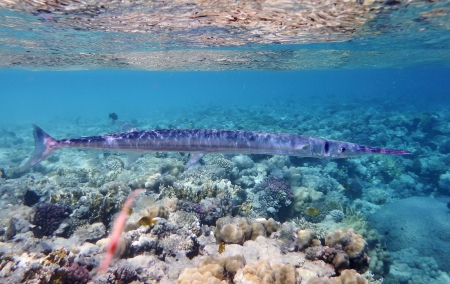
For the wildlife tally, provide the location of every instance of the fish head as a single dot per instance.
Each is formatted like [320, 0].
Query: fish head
[340, 149]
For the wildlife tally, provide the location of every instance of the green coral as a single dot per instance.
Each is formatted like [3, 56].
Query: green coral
[356, 220]
[390, 167]
[68, 196]
[192, 194]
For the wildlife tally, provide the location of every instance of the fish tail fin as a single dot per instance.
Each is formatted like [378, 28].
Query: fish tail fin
[42, 147]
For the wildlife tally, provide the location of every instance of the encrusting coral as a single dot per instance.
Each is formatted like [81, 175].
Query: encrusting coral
[263, 273]
[237, 230]
[213, 271]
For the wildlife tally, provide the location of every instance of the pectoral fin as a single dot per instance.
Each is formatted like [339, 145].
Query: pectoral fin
[195, 157]
[132, 157]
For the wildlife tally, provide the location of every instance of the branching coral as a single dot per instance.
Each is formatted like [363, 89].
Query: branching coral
[355, 219]
[302, 224]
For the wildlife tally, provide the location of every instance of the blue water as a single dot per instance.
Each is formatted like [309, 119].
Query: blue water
[380, 79]
[36, 96]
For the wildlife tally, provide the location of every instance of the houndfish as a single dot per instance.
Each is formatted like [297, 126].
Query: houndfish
[204, 141]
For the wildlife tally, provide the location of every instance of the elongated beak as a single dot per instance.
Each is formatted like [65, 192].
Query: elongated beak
[365, 149]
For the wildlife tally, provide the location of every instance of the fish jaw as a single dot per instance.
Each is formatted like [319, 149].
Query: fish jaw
[339, 149]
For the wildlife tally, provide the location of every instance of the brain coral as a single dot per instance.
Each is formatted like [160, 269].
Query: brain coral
[213, 271]
[233, 230]
[354, 246]
[263, 272]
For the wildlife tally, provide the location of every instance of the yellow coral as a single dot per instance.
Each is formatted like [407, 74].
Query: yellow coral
[246, 208]
[353, 244]
[212, 271]
[263, 273]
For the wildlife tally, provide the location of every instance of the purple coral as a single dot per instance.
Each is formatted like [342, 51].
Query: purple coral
[77, 274]
[48, 217]
[125, 274]
[276, 184]
[188, 206]
[209, 209]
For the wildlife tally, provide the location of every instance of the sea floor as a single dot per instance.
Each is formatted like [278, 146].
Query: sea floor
[229, 217]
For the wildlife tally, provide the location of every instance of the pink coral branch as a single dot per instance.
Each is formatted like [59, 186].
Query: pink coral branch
[117, 230]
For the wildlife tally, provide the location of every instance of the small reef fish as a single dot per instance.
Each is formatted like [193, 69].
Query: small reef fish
[147, 221]
[202, 141]
[119, 225]
[312, 211]
[221, 248]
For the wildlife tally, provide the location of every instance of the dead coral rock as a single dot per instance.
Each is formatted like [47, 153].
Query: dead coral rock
[349, 276]
[312, 270]
[263, 272]
[91, 232]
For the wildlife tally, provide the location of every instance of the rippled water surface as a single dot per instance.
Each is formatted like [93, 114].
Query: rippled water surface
[223, 35]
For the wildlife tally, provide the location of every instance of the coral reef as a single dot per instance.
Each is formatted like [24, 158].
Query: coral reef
[277, 216]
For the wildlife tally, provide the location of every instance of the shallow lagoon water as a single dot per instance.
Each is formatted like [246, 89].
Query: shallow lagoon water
[383, 85]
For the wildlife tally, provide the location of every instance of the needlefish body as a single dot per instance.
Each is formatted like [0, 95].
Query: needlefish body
[203, 141]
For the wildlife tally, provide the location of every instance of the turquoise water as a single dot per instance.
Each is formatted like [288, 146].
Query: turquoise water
[36, 96]
[380, 79]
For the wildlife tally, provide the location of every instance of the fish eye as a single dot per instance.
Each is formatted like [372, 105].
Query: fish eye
[343, 149]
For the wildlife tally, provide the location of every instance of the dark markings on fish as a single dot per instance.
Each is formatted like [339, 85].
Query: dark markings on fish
[326, 147]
